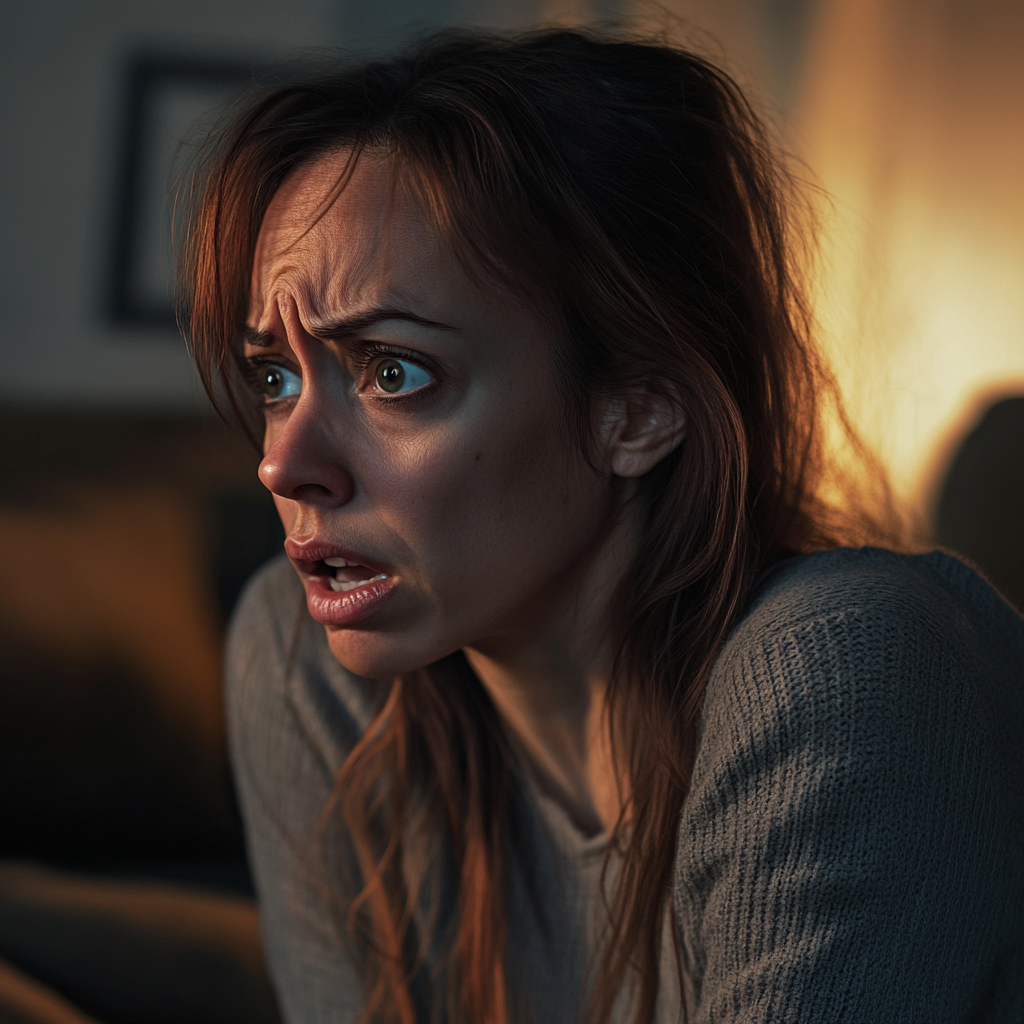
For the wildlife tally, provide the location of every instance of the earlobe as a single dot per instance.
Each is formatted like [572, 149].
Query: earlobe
[646, 428]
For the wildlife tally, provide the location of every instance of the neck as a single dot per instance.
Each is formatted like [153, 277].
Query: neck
[548, 682]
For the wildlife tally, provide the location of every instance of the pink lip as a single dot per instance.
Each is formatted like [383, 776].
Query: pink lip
[346, 608]
[306, 553]
[338, 608]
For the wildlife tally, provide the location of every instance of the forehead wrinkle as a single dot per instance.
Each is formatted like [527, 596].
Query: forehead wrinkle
[355, 271]
[331, 248]
[295, 294]
[294, 214]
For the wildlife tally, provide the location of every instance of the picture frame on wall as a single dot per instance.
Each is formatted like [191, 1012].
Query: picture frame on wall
[170, 105]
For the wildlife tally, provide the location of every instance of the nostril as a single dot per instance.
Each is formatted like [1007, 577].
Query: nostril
[312, 493]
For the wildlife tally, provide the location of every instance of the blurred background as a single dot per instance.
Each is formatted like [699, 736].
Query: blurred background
[130, 517]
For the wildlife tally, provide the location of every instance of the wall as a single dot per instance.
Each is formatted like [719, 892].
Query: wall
[62, 78]
[912, 119]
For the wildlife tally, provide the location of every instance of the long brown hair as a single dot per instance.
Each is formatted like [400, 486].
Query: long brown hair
[630, 187]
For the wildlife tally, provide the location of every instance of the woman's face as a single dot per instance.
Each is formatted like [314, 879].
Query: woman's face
[416, 443]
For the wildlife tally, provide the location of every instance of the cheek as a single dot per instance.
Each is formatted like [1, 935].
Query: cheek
[467, 499]
[421, 484]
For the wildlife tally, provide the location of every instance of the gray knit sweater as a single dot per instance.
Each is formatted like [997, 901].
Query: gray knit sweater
[851, 849]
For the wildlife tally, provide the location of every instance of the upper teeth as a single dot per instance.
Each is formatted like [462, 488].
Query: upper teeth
[338, 563]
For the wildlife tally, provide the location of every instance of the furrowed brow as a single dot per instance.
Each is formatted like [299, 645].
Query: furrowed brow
[258, 339]
[344, 327]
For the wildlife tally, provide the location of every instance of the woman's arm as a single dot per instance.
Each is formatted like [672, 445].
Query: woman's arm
[851, 847]
[294, 713]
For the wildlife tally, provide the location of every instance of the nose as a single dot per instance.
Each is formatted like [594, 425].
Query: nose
[304, 463]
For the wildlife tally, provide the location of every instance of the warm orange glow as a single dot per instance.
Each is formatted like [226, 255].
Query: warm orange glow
[913, 121]
[115, 575]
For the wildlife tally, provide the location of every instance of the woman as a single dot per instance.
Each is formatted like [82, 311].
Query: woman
[586, 713]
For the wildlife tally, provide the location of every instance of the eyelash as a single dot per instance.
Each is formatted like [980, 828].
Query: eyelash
[252, 365]
[250, 369]
[375, 350]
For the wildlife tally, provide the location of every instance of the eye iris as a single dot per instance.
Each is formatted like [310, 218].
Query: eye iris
[390, 375]
[273, 382]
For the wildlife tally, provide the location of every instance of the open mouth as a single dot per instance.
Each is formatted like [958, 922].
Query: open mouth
[340, 591]
[342, 575]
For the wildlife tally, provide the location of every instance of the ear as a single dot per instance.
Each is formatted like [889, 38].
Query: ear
[639, 431]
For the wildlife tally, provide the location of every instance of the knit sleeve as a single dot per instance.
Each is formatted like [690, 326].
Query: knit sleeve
[293, 715]
[849, 850]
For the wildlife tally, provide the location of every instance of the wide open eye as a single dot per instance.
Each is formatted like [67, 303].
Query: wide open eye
[276, 382]
[397, 375]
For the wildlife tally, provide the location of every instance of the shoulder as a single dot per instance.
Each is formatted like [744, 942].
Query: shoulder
[876, 618]
[864, 684]
[874, 684]
[934, 590]
[857, 800]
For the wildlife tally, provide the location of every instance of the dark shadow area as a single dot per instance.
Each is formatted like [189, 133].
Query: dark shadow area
[91, 774]
[124, 888]
[980, 511]
[126, 952]
[245, 532]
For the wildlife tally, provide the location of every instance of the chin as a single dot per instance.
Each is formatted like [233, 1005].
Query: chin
[377, 656]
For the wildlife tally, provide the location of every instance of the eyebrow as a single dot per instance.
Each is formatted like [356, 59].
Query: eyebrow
[344, 327]
[258, 339]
